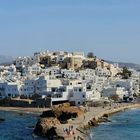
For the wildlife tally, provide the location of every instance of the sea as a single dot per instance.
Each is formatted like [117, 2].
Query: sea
[123, 126]
[18, 126]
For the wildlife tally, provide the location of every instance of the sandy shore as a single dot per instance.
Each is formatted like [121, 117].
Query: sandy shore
[79, 124]
[24, 110]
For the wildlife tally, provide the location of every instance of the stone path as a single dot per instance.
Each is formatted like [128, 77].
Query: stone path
[83, 120]
[79, 122]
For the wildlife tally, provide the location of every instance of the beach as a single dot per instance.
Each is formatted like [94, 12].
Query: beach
[24, 109]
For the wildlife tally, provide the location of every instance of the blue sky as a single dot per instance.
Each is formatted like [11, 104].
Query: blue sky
[109, 28]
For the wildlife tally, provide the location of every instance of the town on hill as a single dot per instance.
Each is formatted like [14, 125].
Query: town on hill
[73, 90]
[50, 78]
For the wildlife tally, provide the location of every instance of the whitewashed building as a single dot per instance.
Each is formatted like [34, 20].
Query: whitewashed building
[9, 89]
[102, 72]
[111, 91]
[32, 70]
[70, 74]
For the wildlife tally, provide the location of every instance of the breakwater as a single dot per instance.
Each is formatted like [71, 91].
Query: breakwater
[95, 119]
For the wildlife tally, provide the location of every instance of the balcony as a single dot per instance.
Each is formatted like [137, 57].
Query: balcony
[57, 95]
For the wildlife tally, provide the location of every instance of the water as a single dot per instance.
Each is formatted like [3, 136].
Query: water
[124, 126]
[16, 127]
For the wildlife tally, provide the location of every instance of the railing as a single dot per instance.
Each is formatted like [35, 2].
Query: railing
[57, 95]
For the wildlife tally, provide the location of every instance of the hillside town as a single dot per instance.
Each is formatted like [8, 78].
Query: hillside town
[50, 78]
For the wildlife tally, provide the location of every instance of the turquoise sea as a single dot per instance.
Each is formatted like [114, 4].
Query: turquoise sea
[124, 126]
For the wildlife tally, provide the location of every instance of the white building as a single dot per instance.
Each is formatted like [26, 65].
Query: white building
[80, 94]
[111, 91]
[9, 89]
[59, 94]
[45, 84]
[88, 74]
[28, 88]
[53, 71]
[70, 74]
[26, 61]
[102, 72]
[32, 70]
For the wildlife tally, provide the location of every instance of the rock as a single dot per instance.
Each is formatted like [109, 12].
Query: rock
[45, 127]
[109, 120]
[63, 113]
[92, 123]
[103, 119]
[75, 111]
[106, 115]
[48, 114]
[31, 127]
[20, 114]
[2, 119]
[65, 116]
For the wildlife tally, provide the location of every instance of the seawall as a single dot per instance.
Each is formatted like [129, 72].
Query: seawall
[96, 118]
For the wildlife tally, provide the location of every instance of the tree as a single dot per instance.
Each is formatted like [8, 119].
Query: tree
[90, 55]
[126, 73]
[89, 64]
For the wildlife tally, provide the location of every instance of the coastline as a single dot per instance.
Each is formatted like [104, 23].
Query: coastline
[81, 124]
[107, 112]
[24, 109]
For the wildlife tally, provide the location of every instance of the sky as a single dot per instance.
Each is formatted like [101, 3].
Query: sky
[109, 28]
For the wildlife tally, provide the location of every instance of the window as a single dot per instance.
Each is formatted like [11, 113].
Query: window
[80, 89]
[9, 95]
[83, 96]
[75, 90]
[78, 103]
[53, 89]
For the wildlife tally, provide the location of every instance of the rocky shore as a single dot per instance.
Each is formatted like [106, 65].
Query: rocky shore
[52, 124]
[103, 115]
[50, 121]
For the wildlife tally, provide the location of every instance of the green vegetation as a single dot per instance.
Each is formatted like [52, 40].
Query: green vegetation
[126, 74]
[91, 55]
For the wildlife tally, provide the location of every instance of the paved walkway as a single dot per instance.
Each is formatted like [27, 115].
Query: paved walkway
[83, 120]
[79, 122]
